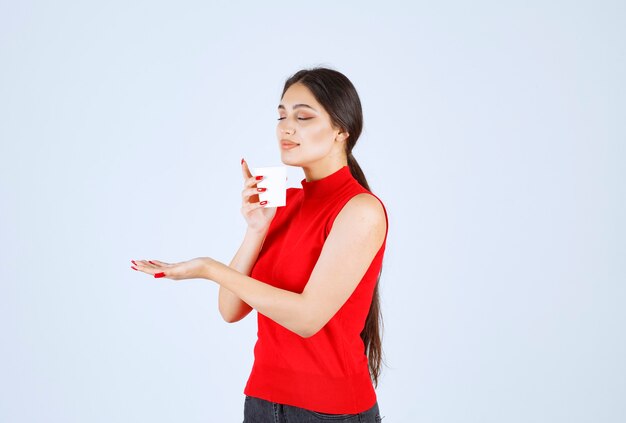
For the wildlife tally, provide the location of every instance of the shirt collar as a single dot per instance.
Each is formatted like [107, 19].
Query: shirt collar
[326, 185]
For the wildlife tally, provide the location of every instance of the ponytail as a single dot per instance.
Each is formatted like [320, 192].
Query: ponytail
[372, 332]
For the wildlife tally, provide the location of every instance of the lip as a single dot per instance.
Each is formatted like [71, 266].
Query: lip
[287, 145]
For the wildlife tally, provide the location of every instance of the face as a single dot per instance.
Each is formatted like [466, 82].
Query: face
[305, 123]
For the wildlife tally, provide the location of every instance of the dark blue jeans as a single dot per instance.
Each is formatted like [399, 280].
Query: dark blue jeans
[258, 410]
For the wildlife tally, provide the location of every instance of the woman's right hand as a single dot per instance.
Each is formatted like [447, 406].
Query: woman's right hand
[257, 216]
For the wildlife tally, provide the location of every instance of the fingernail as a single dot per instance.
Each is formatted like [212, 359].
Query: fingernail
[258, 178]
[159, 275]
[263, 203]
[134, 262]
[242, 160]
[151, 262]
[261, 189]
[132, 267]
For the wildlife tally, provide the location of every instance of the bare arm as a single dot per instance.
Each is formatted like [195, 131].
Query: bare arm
[231, 307]
[258, 218]
[356, 236]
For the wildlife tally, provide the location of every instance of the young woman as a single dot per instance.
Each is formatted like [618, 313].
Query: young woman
[310, 269]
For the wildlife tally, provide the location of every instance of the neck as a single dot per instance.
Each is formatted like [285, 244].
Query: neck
[319, 171]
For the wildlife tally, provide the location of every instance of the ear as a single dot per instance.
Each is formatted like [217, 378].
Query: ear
[342, 136]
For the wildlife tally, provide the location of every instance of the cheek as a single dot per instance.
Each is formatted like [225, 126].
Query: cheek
[318, 135]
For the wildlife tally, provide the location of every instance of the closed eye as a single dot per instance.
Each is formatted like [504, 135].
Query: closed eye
[298, 118]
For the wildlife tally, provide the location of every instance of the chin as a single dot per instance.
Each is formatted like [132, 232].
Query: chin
[288, 162]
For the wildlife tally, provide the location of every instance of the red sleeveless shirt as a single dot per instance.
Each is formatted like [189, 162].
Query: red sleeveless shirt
[327, 372]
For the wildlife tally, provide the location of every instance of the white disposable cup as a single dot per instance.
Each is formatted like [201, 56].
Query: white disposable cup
[275, 182]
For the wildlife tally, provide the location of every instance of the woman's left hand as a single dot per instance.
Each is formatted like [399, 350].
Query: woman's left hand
[191, 269]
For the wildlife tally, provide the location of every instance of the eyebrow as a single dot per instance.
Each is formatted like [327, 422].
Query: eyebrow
[295, 106]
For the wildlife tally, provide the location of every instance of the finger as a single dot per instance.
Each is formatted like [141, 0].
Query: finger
[253, 206]
[159, 263]
[253, 180]
[248, 193]
[143, 266]
[147, 266]
[245, 170]
[151, 269]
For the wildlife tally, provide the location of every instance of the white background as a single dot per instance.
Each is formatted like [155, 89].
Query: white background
[494, 134]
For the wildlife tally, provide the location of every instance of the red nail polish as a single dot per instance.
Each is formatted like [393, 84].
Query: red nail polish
[263, 203]
[151, 262]
[258, 178]
[159, 275]
[134, 262]
[261, 189]
[242, 160]
[132, 267]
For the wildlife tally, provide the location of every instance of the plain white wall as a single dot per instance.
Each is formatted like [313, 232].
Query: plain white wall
[494, 133]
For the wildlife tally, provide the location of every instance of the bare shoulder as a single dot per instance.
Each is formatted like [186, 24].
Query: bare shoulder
[364, 211]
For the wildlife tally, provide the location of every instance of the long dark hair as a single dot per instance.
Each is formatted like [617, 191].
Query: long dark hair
[334, 91]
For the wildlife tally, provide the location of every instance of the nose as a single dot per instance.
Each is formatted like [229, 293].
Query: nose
[285, 129]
